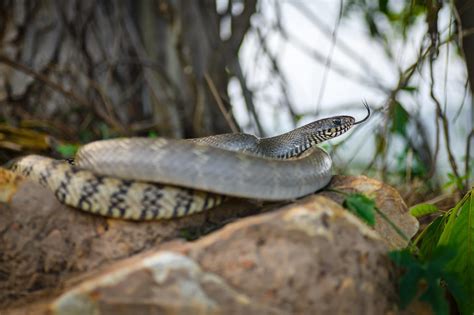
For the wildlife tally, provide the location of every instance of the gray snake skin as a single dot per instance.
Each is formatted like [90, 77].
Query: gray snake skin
[148, 179]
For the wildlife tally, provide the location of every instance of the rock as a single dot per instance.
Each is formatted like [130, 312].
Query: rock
[161, 283]
[311, 256]
[44, 243]
[387, 199]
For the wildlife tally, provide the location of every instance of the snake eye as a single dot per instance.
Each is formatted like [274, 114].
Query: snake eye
[337, 122]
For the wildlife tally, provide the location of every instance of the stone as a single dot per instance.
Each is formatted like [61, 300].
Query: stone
[310, 256]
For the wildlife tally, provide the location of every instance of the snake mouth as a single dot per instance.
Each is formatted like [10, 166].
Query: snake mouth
[336, 131]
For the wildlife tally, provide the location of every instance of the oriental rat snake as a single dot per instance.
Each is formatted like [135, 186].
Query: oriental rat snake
[147, 179]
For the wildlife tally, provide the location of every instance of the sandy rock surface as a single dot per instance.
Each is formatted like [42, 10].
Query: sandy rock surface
[308, 256]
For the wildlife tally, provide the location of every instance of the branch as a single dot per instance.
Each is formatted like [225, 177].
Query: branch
[58, 88]
[276, 70]
[218, 100]
[240, 25]
[444, 120]
[247, 95]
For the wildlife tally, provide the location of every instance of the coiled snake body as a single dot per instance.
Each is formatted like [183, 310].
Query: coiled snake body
[146, 179]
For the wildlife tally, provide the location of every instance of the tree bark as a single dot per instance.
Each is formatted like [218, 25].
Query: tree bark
[465, 10]
[134, 65]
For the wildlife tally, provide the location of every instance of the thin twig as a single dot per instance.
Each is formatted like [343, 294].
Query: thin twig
[341, 44]
[327, 64]
[276, 70]
[444, 122]
[218, 100]
[464, 96]
[339, 69]
[44, 79]
[248, 97]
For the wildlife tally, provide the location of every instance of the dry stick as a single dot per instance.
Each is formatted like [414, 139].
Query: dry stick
[342, 71]
[341, 44]
[218, 100]
[174, 123]
[57, 87]
[279, 73]
[445, 79]
[402, 82]
[444, 121]
[464, 96]
[106, 101]
[436, 150]
[424, 145]
[327, 64]
[461, 33]
[247, 96]
[404, 79]
[318, 57]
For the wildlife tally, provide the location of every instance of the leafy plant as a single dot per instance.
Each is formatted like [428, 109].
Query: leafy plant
[444, 259]
[427, 277]
[400, 15]
[456, 181]
[417, 168]
[423, 209]
[459, 234]
[400, 118]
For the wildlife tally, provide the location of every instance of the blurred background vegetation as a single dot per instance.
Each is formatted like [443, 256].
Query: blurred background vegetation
[75, 71]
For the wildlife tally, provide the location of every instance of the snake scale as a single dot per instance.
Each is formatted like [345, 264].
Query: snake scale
[147, 179]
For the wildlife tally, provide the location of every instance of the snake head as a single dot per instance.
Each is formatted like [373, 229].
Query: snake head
[334, 126]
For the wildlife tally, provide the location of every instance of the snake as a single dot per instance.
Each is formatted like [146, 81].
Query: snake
[158, 178]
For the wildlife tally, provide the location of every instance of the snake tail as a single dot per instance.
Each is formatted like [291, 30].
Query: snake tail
[114, 197]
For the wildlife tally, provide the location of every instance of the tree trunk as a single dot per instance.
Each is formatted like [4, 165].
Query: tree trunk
[134, 65]
[465, 10]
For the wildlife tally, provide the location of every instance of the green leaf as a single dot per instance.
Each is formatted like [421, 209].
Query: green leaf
[459, 234]
[428, 239]
[430, 273]
[423, 209]
[400, 119]
[455, 181]
[409, 285]
[67, 150]
[152, 134]
[403, 258]
[362, 206]
[410, 89]
[298, 117]
[434, 295]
